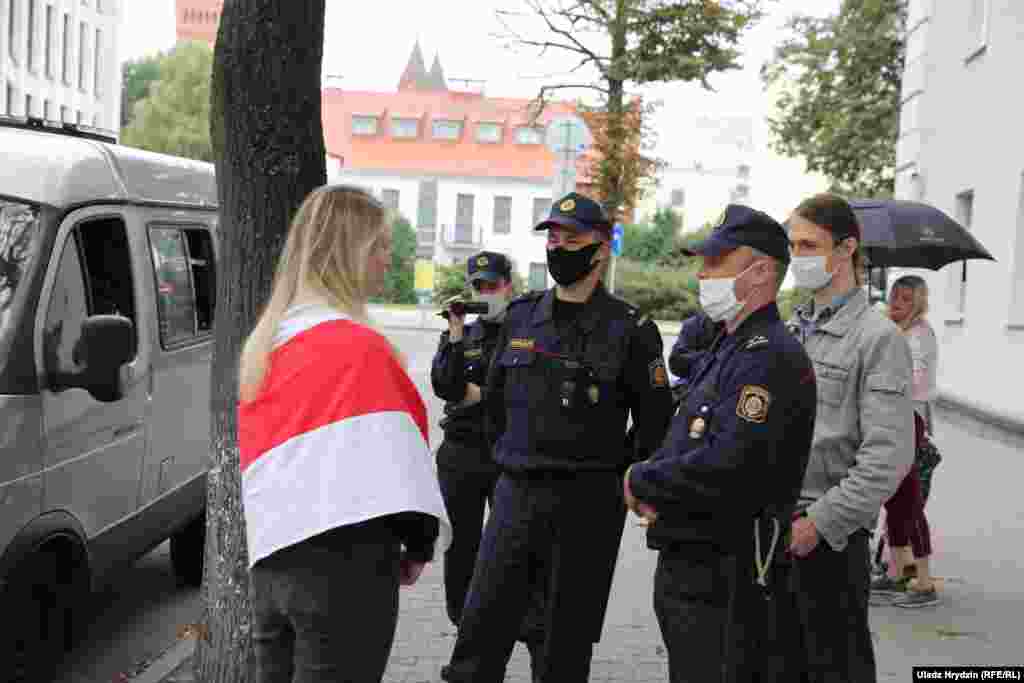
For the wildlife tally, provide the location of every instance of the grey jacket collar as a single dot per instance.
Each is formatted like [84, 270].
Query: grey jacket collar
[840, 322]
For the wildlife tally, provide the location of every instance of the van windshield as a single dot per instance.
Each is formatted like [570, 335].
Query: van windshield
[19, 231]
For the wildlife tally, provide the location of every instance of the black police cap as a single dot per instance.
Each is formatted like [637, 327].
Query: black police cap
[490, 266]
[578, 212]
[742, 226]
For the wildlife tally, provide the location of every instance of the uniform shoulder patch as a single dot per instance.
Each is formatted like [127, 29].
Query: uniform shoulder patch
[658, 373]
[753, 403]
[755, 342]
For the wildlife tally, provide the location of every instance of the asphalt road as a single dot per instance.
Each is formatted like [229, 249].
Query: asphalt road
[975, 513]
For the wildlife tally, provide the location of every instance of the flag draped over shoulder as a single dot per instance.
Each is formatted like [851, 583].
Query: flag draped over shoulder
[337, 435]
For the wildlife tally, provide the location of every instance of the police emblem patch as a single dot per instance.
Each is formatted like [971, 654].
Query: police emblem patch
[482, 261]
[567, 206]
[522, 344]
[753, 404]
[473, 353]
[659, 376]
[594, 394]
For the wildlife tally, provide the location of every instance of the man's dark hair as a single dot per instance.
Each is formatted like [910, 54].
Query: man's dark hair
[833, 213]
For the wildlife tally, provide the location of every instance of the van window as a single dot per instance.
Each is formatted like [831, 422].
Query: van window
[19, 227]
[186, 286]
[93, 278]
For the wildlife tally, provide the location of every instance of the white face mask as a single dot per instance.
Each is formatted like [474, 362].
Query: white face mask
[718, 297]
[496, 305]
[809, 272]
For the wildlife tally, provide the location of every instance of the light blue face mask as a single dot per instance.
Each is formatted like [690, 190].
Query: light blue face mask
[718, 296]
[809, 272]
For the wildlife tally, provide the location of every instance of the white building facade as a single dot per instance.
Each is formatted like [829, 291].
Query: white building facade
[472, 214]
[699, 193]
[961, 150]
[59, 61]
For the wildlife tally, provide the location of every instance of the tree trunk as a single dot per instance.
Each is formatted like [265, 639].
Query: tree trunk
[268, 142]
[615, 125]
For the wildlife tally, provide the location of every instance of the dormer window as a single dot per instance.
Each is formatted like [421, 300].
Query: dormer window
[447, 129]
[528, 135]
[488, 132]
[404, 128]
[364, 125]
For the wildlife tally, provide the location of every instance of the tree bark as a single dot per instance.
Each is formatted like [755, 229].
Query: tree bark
[616, 93]
[267, 135]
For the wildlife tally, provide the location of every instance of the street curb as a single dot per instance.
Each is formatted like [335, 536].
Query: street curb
[165, 664]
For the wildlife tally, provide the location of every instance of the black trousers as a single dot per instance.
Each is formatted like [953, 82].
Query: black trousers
[465, 492]
[829, 593]
[563, 532]
[326, 609]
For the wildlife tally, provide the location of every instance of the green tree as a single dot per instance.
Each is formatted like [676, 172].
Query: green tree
[266, 126]
[650, 243]
[628, 43]
[839, 79]
[399, 285]
[137, 78]
[175, 117]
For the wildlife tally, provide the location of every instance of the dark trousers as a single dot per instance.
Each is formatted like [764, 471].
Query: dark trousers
[465, 492]
[564, 530]
[905, 521]
[829, 590]
[325, 610]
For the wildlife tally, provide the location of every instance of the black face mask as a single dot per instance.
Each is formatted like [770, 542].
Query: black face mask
[569, 267]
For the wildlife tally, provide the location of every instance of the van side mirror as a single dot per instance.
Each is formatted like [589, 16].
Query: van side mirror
[107, 343]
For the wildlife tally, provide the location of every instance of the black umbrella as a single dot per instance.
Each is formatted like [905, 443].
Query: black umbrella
[897, 233]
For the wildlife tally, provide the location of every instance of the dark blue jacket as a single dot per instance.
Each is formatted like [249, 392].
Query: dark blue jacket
[696, 336]
[739, 446]
[559, 399]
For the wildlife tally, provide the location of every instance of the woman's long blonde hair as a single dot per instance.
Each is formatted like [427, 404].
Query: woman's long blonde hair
[919, 290]
[325, 256]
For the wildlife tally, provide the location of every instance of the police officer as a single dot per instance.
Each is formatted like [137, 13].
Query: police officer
[572, 364]
[719, 494]
[465, 469]
[696, 335]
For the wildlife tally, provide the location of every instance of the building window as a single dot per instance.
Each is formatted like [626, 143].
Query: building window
[502, 215]
[1017, 293]
[464, 219]
[528, 135]
[63, 114]
[51, 19]
[364, 125]
[740, 193]
[28, 105]
[78, 117]
[30, 56]
[447, 130]
[95, 120]
[978, 15]
[541, 208]
[46, 109]
[743, 171]
[66, 47]
[426, 210]
[538, 277]
[678, 198]
[97, 64]
[488, 132]
[186, 284]
[10, 99]
[389, 198]
[12, 31]
[404, 128]
[83, 31]
[958, 271]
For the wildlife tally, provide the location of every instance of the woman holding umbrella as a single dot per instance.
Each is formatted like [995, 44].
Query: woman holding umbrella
[906, 525]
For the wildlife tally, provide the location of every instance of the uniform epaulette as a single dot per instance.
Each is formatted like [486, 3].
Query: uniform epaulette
[529, 297]
[756, 342]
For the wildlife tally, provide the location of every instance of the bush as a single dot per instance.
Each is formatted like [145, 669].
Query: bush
[400, 281]
[660, 293]
[450, 281]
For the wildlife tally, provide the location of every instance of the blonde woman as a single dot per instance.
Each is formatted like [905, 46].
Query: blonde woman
[340, 498]
[907, 529]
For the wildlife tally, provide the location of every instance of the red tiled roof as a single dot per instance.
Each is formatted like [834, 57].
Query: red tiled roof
[425, 155]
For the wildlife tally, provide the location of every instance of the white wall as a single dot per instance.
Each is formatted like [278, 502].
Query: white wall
[521, 244]
[101, 105]
[963, 134]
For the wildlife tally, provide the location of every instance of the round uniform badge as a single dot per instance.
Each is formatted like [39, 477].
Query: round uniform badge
[567, 206]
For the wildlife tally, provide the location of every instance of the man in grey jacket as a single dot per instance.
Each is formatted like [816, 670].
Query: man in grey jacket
[863, 442]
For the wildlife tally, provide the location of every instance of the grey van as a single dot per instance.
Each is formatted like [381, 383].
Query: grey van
[107, 297]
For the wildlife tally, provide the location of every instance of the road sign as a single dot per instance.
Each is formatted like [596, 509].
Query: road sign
[617, 238]
[567, 137]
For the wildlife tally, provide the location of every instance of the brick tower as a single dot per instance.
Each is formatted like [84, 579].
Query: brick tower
[197, 19]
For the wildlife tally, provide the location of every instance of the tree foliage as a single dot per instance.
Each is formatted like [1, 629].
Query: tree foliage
[450, 281]
[652, 242]
[840, 79]
[621, 44]
[174, 118]
[399, 284]
[137, 78]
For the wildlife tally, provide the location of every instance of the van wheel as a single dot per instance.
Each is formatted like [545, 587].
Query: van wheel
[48, 599]
[188, 547]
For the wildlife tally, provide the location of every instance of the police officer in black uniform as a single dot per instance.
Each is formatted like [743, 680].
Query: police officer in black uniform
[572, 364]
[465, 469]
[718, 495]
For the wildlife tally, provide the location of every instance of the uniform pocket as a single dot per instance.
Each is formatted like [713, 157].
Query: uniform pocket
[832, 383]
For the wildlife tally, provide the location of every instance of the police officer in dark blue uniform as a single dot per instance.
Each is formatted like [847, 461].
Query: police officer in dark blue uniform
[718, 495]
[696, 335]
[465, 469]
[572, 364]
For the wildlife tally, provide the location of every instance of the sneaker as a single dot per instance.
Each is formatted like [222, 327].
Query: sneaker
[886, 585]
[914, 598]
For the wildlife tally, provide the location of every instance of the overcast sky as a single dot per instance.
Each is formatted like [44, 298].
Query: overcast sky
[368, 44]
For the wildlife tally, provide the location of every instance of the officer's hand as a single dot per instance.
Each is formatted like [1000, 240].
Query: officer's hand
[409, 571]
[456, 323]
[805, 537]
[648, 513]
[473, 394]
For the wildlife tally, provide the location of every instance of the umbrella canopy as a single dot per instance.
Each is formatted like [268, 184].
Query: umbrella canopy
[903, 234]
